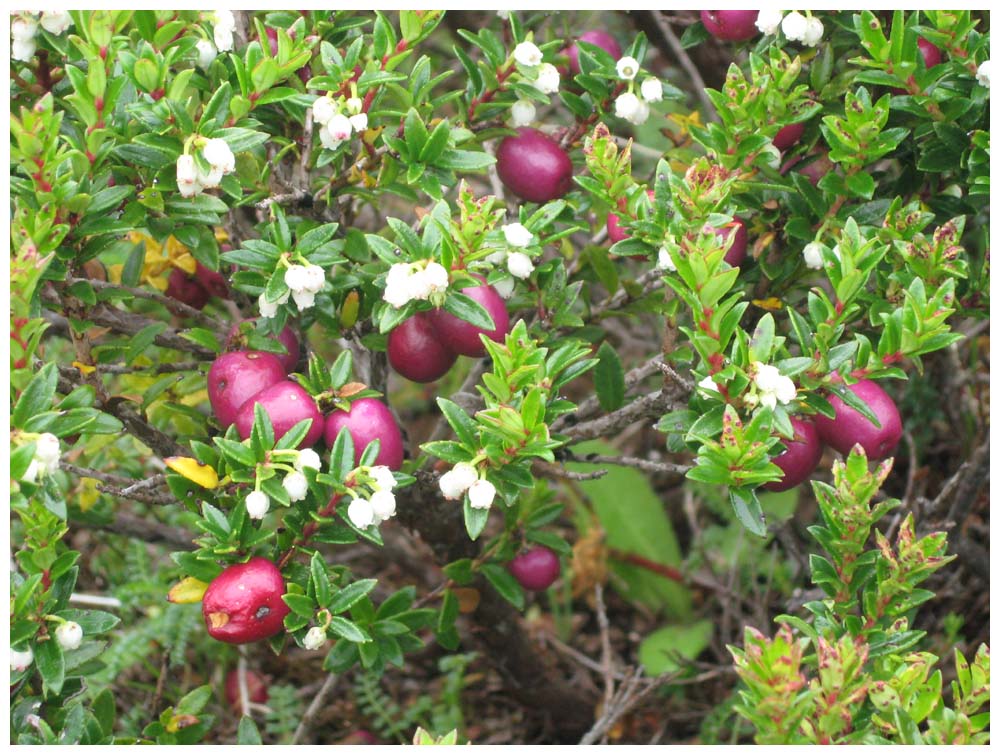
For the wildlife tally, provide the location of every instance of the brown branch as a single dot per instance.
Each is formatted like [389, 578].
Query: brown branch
[678, 51]
[142, 528]
[173, 305]
[645, 407]
[647, 465]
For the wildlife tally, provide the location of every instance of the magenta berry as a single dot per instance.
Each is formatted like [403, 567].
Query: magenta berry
[534, 167]
[615, 232]
[463, 337]
[738, 251]
[800, 458]
[417, 351]
[244, 603]
[212, 281]
[256, 688]
[849, 427]
[730, 25]
[369, 419]
[536, 568]
[287, 403]
[597, 38]
[789, 135]
[286, 338]
[237, 376]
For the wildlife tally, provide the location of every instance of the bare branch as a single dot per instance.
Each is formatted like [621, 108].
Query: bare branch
[175, 306]
[698, 83]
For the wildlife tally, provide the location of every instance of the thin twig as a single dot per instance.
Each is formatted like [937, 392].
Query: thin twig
[314, 708]
[173, 305]
[602, 624]
[647, 465]
[697, 82]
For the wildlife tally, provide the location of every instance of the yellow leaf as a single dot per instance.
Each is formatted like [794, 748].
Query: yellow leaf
[771, 304]
[87, 494]
[188, 590]
[86, 369]
[193, 470]
[221, 235]
[180, 256]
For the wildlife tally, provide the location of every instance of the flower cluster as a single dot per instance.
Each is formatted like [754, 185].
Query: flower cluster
[46, 458]
[772, 386]
[380, 505]
[223, 26]
[407, 281]
[464, 478]
[295, 484]
[519, 264]
[304, 281]
[631, 106]
[338, 120]
[192, 180]
[24, 28]
[542, 76]
[797, 28]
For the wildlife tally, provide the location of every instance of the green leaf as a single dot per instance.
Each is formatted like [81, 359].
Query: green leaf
[351, 594]
[475, 519]
[469, 310]
[505, 583]
[342, 455]
[91, 621]
[348, 630]
[633, 517]
[36, 397]
[247, 733]
[658, 653]
[463, 425]
[51, 665]
[748, 510]
[609, 378]
[460, 159]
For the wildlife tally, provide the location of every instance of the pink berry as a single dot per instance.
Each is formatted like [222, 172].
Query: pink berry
[237, 376]
[534, 167]
[789, 135]
[185, 288]
[417, 351]
[931, 53]
[256, 688]
[615, 232]
[597, 38]
[287, 403]
[286, 338]
[738, 251]
[849, 426]
[244, 603]
[536, 568]
[800, 457]
[369, 419]
[463, 337]
[730, 25]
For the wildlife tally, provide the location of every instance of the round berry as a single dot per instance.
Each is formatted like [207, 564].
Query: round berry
[597, 38]
[930, 52]
[789, 135]
[212, 281]
[800, 457]
[286, 338]
[186, 288]
[536, 568]
[534, 167]
[369, 419]
[256, 688]
[738, 251]
[615, 232]
[286, 403]
[730, 25]
[237, 376]
[244, 603]
[849, 426]
[463, 337]
[417, 351]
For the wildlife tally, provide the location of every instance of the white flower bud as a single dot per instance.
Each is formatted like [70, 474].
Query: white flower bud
[211, 179]
[296, 485]
[383, 503]
[481, 494]
[354, 105]
[664, 260]
[398, 291]
[631, 108]
[55, 21]
[628, 68]
[457, 480]
[269, 309]
[257, 504]
[432, 279]
[359, 122]
[528, 54]
[813, 33]
[794, 26]
[206, 53]
[308, 458]
[519, 265]
[339, 127]
[517, 235]
[296, 278]
[547, 80]
[651, 90]
[22, 49]
[304, 299]
[47, 451]
[23, 29]
[224, 23]
[707, 385]
[504, 287]
[323, 110]
[504, 14]
[522, 113]
[382, 477]
[20, 659]
[983, 73]
[315, 638]
[813, 255]
[218, 154]
[772, 385]
[187, 176]
[69, 635]
[361, 513]
[769, 21]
